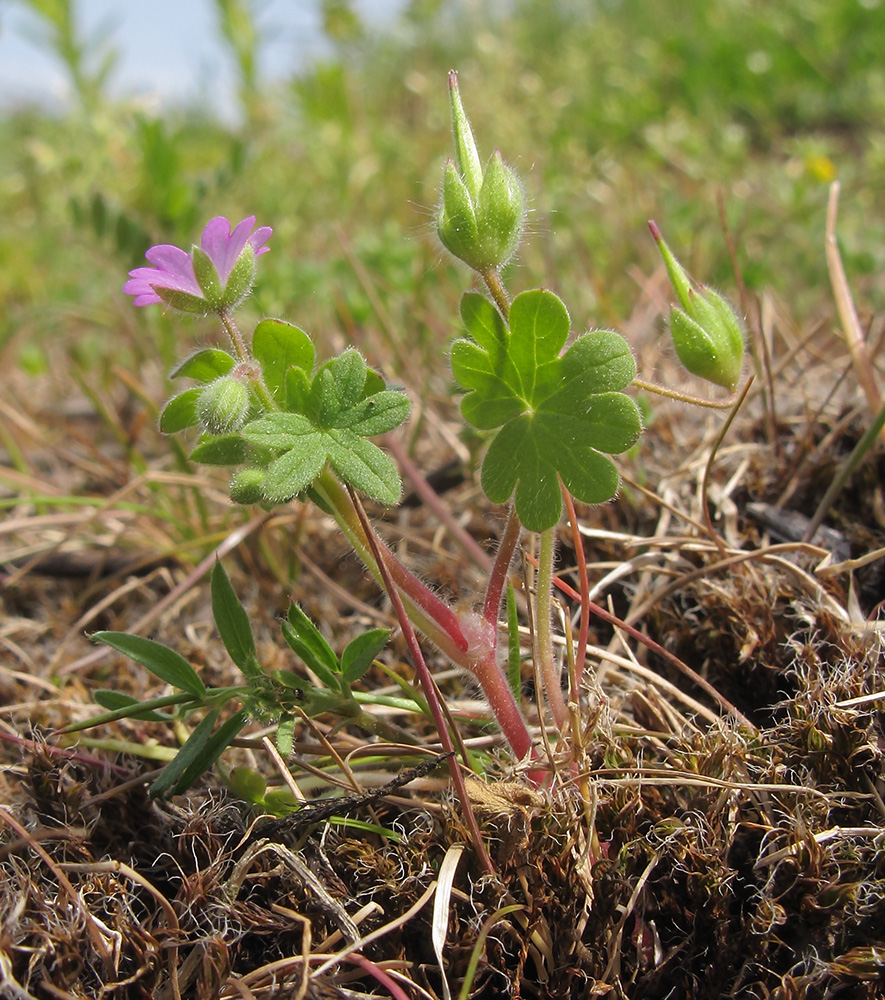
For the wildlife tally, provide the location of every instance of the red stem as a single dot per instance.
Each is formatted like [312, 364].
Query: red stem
[500, 569]
[429, 688]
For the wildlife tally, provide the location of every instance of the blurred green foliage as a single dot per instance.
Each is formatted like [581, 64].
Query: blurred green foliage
[613, 112]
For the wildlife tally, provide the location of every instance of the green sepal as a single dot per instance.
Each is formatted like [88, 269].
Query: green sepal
[456, 219]
[706, 331]
[240, 279]
[223, 405]
[225, 449]
[205, 365]
[500, 213]
[180, 412]
[183, 301]
[207, 278]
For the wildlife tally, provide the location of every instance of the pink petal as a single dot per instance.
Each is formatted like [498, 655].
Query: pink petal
[143, 292]
[259, 238]
[173, 268]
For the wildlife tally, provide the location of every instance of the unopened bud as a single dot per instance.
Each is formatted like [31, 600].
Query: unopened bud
[222, 407]
[247, 486]
[481, 215]
[706, 331]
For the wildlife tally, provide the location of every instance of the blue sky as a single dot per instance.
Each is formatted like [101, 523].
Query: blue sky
[168, 49]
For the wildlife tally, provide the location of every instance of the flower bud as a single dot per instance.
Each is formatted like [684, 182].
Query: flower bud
[481, 215]
[706, 331]
[222, 407]
[247, 486]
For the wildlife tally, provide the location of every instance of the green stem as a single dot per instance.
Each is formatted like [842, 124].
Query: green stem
[581, 561]
[683, 397]
[497, 290]
[468, 640]
[233, 331]
[544, 628]
[264, 394]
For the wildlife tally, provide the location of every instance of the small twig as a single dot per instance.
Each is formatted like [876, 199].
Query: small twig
[720, 437]
[854, 335]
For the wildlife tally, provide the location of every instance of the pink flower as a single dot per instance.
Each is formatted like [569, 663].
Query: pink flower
[174, 280]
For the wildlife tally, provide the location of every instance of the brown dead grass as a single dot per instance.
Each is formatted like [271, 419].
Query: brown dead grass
[687, 856]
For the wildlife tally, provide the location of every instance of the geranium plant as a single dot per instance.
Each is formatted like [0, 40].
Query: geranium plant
[294, 428]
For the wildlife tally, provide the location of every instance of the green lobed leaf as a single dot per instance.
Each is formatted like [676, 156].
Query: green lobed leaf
[162, 661]
[295, 470]
[365, 466]
[278, 430]
[279, 347]
[361, 651]
[559, 414]
[232, 623]
[377, 414]
[338, 386]
[336, 436]
[205, 365]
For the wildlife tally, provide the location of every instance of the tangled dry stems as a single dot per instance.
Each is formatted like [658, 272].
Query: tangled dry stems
[681, 853]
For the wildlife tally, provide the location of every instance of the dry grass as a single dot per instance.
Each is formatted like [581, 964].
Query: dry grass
[680, 853]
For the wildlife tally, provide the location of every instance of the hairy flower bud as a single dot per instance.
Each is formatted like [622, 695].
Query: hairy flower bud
[481, 215]
[706, 331]
[222, 407]
[247, 486]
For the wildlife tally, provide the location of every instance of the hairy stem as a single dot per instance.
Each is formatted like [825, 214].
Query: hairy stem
[497, 290]
[544, 628]
[430, 690]
[581, 560]
[683, 397]
[498, 575]
[431, 614]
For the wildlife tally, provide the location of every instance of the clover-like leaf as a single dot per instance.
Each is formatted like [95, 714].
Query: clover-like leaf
[560, 414]
[338, 411]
